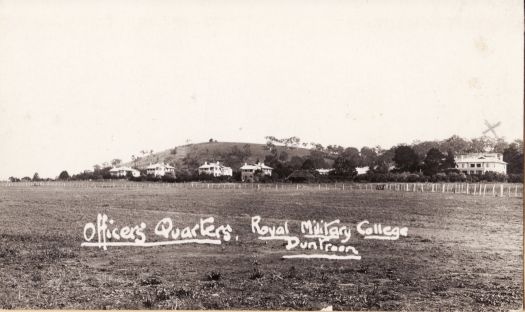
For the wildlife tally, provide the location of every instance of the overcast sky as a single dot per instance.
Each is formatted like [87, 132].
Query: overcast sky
[83, 82]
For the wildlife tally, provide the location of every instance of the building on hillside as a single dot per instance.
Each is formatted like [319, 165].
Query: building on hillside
[160, 170]
[119, 172]
[248, 172]
[324, 171]
[362, 170]
[479, 163]
[215, 169]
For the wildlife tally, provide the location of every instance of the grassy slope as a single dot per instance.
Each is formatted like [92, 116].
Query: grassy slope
[212, 151]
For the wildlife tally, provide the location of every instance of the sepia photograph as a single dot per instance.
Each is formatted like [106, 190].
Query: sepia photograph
[305, 155]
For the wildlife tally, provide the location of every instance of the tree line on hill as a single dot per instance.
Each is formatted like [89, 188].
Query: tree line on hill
[420, 161]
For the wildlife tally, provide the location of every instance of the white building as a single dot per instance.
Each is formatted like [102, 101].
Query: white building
[362, 170]
[215, 169]
[479, 163]
[324, 171]
[123, 172]
[248, 171]
[160, 170]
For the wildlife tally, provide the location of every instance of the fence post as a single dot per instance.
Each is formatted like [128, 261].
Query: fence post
[501, 190]
[516, 189]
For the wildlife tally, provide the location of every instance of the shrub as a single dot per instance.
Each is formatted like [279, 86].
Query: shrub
[493, 177]
[439, 177]
[412, 178]
[168, 178]
[515, 178]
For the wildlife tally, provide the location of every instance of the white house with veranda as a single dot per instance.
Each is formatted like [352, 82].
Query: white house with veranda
[248, 171]
[160, 170]
[479, 163]
[215, 169]
[120, 172]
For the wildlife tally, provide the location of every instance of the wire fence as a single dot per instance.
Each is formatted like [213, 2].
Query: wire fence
[473, 189]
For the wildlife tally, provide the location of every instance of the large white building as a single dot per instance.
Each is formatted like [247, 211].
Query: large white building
[479, 163]
[323, 171]
[120, 172]
[215, 169]
[160, 170]
[248, 171]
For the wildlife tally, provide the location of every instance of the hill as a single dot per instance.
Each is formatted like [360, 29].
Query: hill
[232, 154]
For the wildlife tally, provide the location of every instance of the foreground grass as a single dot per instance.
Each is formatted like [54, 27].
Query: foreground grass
[462, 252]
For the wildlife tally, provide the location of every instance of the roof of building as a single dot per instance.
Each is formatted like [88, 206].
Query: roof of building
[480, 158]
[324, 170]
[255, 166]
[213, 165]
[159, 165]
[117, 169]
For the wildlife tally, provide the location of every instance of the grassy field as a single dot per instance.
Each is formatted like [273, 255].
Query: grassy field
[462, 252]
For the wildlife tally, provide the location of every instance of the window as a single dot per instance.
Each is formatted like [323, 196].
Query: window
[478, 165]
[472, 166]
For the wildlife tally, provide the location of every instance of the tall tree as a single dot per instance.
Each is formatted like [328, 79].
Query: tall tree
[456, 144]
[405, 158]
[344, 166]
[63, 175]
[422, 148]
[368, 156]
[449, 162]
[352, 154]
[385, 160]
[513, 155]
[433, 162]
[480, 145]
